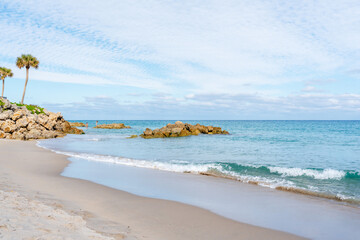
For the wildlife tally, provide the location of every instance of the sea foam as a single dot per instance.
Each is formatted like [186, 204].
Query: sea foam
[317, 174]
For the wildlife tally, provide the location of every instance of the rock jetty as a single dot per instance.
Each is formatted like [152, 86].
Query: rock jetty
[180, 129]
[112, 126]
[77, 124]
[28, 122]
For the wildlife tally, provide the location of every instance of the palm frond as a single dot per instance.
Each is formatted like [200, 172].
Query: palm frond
[5, 72]
[27, 60]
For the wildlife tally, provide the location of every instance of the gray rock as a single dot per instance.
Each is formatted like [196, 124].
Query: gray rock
[6, 115]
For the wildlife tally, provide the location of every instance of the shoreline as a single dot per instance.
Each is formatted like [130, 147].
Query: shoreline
[301, 180]
[35, 173]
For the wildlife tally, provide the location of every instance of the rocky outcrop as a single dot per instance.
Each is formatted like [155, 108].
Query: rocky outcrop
[133, 136]
[112, 126]
[77, 124]
[180, 129]
[18, 122]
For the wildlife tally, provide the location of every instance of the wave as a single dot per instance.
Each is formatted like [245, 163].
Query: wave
[317, 174]
[279, 178]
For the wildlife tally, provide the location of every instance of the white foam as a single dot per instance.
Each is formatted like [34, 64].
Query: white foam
[195, 168]
[317, 174]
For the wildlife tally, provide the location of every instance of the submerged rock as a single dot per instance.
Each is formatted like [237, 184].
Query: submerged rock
[133, 136]
[17, 122]
[112, 126]
[180, 129]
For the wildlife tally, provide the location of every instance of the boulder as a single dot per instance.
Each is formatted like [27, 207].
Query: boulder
[8, 126]
[6, 115]
[19, 113]
[17, 122]
[33, 134]
[180, 129]
[18, 136]
[22, 122]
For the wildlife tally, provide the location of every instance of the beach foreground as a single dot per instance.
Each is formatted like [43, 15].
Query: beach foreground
[61, 207]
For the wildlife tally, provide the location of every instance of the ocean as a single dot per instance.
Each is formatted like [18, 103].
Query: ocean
[320, 158]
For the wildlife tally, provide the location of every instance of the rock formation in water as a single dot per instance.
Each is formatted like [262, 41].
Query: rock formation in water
[26, 122]
[112, 126]
[180, 129]
[77, 124]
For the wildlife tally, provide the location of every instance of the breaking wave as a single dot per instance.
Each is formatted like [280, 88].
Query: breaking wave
[280, 178]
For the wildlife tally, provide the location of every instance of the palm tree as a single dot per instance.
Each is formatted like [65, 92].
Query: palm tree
[26, 61]
[4, 73]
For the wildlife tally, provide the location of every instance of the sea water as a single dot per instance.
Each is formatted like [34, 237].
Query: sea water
[312, 157]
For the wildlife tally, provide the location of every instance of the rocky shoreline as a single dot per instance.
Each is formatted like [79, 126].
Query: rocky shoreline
[180, 129]
[27, 122]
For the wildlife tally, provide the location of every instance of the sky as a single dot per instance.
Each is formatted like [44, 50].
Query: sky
[189, 59]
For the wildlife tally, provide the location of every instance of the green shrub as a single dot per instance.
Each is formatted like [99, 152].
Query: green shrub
[34, 109]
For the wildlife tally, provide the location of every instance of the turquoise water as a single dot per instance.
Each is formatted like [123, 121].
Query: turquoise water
[316, 156]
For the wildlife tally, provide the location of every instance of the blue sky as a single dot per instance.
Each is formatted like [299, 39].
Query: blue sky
[186, 59]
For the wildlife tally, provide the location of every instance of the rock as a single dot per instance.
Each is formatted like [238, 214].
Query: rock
[6, 115]
[42, 119]
[133, 136]
[180, 129]
[8, 126]
[74, 130]
[21, 124]
[7, 104]
[77, 124]
[175, 131]
[112, 126]
[49, 125]
[47, 113]
[148, 132]
[33, 134]
[18, 136]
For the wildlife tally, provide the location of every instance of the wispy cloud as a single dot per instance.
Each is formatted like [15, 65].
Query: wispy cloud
[188, 47]
[219, 106]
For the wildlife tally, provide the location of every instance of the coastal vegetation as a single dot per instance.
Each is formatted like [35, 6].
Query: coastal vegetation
[4, 73]
[27, 61]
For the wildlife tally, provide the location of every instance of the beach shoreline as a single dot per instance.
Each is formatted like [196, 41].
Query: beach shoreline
[35, 174]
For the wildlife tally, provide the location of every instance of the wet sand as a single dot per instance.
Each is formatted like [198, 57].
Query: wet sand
[33, 175]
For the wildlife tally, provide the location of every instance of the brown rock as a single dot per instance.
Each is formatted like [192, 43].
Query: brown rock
[22, 122]
[18, 114]
[18, 136]
[8, 126]
[74, 130]
[180, 129]
[33, 134]
[77, 124]
[112, 126]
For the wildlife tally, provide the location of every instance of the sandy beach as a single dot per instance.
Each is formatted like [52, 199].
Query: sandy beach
[36, 201]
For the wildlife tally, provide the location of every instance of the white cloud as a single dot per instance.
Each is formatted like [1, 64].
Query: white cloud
[188, 48]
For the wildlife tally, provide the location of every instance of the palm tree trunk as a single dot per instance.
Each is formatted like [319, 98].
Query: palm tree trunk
[27, 78]
[2, 94]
